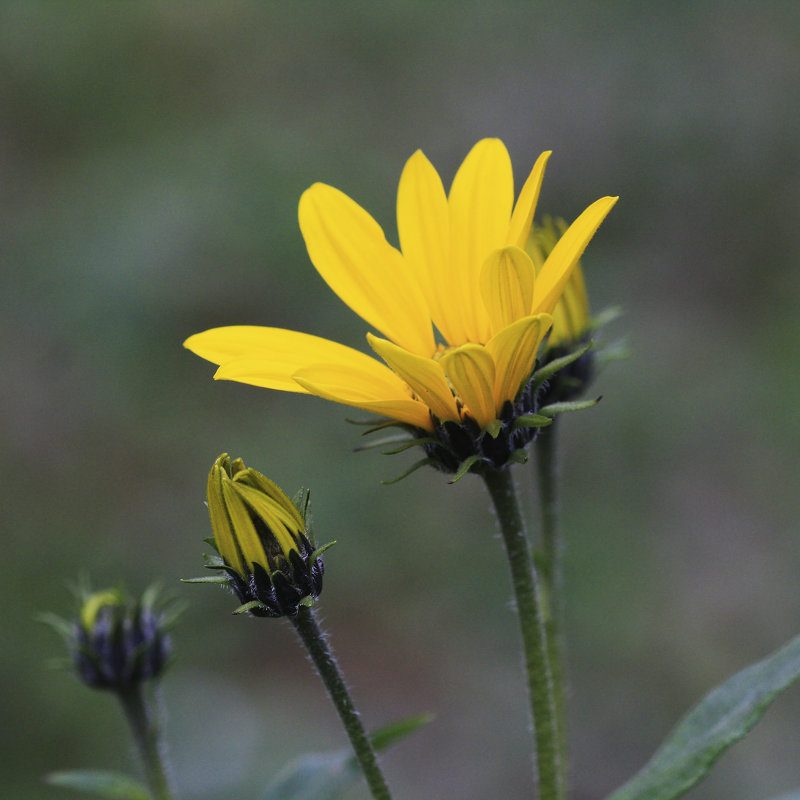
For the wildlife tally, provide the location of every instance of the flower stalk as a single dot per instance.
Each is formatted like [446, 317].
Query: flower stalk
[143, 722]
[308, 629]
[552, 548]
[525, 582]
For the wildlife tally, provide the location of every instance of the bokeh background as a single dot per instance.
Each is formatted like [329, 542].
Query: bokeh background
[152, 155]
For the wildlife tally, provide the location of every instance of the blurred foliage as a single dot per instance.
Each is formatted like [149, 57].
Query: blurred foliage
[151, 159]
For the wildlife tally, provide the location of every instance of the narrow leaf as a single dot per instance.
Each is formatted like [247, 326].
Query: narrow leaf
[326, 776]
[108, 785]
[723, 717]
[206, 579]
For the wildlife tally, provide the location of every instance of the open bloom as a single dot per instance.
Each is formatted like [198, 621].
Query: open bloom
[460, 305]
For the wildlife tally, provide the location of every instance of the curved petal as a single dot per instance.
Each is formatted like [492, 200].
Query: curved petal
[351, 253]
[571, 314]
[246, 537]
[514, 352]
[224, 536]
[557, 268]
[423, 375]
[507, 280]
[480, 209]
[423, 225]
[522, 217]
[470, 369]
[269, 357]
[333, 382]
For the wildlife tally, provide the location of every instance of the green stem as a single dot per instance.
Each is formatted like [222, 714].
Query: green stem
[146, 732]
[552, 572]
[534, 637]
[306, 624]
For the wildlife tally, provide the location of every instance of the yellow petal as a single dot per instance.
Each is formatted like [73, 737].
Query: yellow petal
[571, 314]
[507, 286]
[521, 219]
[514, 353]
[246, 535]
[480, 209]
[269, 357]
[470, 369]
[274, 517]
[351, 253]
[341, 385]
[423, 225]
[557, 268]
[224, 537]
[423, 375]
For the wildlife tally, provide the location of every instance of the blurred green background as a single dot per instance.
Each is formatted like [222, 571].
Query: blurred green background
[152, 157]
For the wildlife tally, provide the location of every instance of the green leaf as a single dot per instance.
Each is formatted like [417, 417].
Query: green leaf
[108, 785]
[723, 717]
[206, 579]
[326, 776]
[389, 734]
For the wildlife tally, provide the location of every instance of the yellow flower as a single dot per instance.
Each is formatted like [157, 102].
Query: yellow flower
[460, 305]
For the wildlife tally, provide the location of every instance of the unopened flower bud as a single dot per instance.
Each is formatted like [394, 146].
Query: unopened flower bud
[262, 540]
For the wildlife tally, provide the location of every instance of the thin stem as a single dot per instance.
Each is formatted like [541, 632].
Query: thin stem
[306, 624]
[146, 732]
[534, 637]
[552, 571]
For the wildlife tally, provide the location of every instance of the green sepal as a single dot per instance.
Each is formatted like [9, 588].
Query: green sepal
[494, 428]
[532, 421]
[604, 317]
[108, 785]
[413, 468]
[328, 776]
[466, 464]
[309, 601]
[61, 626]
[206, 579]
[212, 542]
[390, 440]
[518, 456]
[550, 369]
[407, 444]
[243, 609]
[320, 550]
[724, 716]
[618, 350]
[302, 502]
[376, 422]
[571, 405]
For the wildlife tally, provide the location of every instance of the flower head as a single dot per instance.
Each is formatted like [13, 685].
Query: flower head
[116, 642]
[262, 540]
[460, 304]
